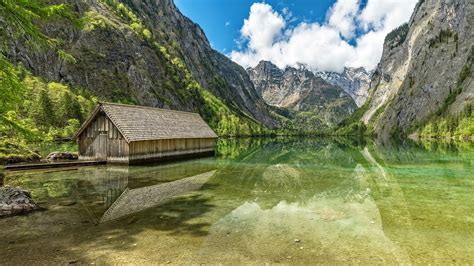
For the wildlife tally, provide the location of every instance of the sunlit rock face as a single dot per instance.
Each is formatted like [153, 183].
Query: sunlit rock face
[354, 81]
[420, 68]
[301, 90]
[114, 61]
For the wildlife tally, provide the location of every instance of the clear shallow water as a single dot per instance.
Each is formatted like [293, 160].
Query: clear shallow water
[341, 201]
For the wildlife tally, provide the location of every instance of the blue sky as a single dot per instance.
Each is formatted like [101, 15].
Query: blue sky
[223, 19]
[324, 35]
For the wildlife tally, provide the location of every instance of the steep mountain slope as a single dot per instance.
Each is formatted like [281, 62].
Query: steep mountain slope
[425, 71]
[354, 81]
[147, 52]
[301, 90]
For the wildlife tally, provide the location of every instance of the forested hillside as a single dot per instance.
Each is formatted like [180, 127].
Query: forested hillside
[144, 53]
[58, 60]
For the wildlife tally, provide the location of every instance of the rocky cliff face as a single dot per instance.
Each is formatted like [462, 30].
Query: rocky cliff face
[354, 81]
[426, 68]
[145, 52]
[301, 90]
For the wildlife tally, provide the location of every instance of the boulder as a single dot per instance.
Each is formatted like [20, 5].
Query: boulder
[62, 156]
[16, 201]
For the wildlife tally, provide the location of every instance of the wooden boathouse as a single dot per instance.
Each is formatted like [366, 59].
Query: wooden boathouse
[119, 133]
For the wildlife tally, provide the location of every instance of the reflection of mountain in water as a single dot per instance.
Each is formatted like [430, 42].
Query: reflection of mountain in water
[345, 203]
[332, 196]
[331, 216]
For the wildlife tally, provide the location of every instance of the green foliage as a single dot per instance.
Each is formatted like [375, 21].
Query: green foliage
[70, 108]
[26, 126]
[11, 88]
[352, 126]
[147, 34]
[22, 17]
[71, 128]
[458, 126]
[445, 125]
[66, 57]
[48, 111]
[132, 19]
[397, 36]
[43, 113]
[305, 123]
[465, 127]
[93, 21]
[14, 150]
[225, 121]
[353, 129]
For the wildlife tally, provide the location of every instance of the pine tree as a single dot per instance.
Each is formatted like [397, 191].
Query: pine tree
[43, 113]
[468, 110]
[22, 17]
[435, 128]
[70, 108]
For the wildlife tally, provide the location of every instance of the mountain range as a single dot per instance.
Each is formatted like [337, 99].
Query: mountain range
[354, 81]
[301, 90]
[148, 53]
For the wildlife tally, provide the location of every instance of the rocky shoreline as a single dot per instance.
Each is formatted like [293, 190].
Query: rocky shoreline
[16, 201]
[62, 156]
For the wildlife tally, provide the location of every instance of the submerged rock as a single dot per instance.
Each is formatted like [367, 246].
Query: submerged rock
[54, 156]
[16, 201]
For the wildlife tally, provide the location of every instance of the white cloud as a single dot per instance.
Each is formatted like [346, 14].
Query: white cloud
[227, 23]
[262, 27]
[342, 15]
[321, 46]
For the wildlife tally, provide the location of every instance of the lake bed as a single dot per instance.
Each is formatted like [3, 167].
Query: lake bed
[284, 200]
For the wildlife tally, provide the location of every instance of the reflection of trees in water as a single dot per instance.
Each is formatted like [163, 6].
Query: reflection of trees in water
[328, 191]
[409, 151]
[44, 185]
[289, 169]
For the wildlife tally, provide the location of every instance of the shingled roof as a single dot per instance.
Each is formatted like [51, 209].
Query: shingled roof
[139, 123]
[138, 199]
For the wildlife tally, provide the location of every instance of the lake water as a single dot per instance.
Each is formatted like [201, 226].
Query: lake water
[290, 201]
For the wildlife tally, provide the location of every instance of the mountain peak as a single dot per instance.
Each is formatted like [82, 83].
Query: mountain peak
[298, 88]
[264, 64]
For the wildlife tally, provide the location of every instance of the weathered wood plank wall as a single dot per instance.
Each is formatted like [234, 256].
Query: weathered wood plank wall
[117, 147]
[155, 149]
[119, 151]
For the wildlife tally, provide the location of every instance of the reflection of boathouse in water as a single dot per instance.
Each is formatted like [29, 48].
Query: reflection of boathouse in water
[120, 133]
[110, 193]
